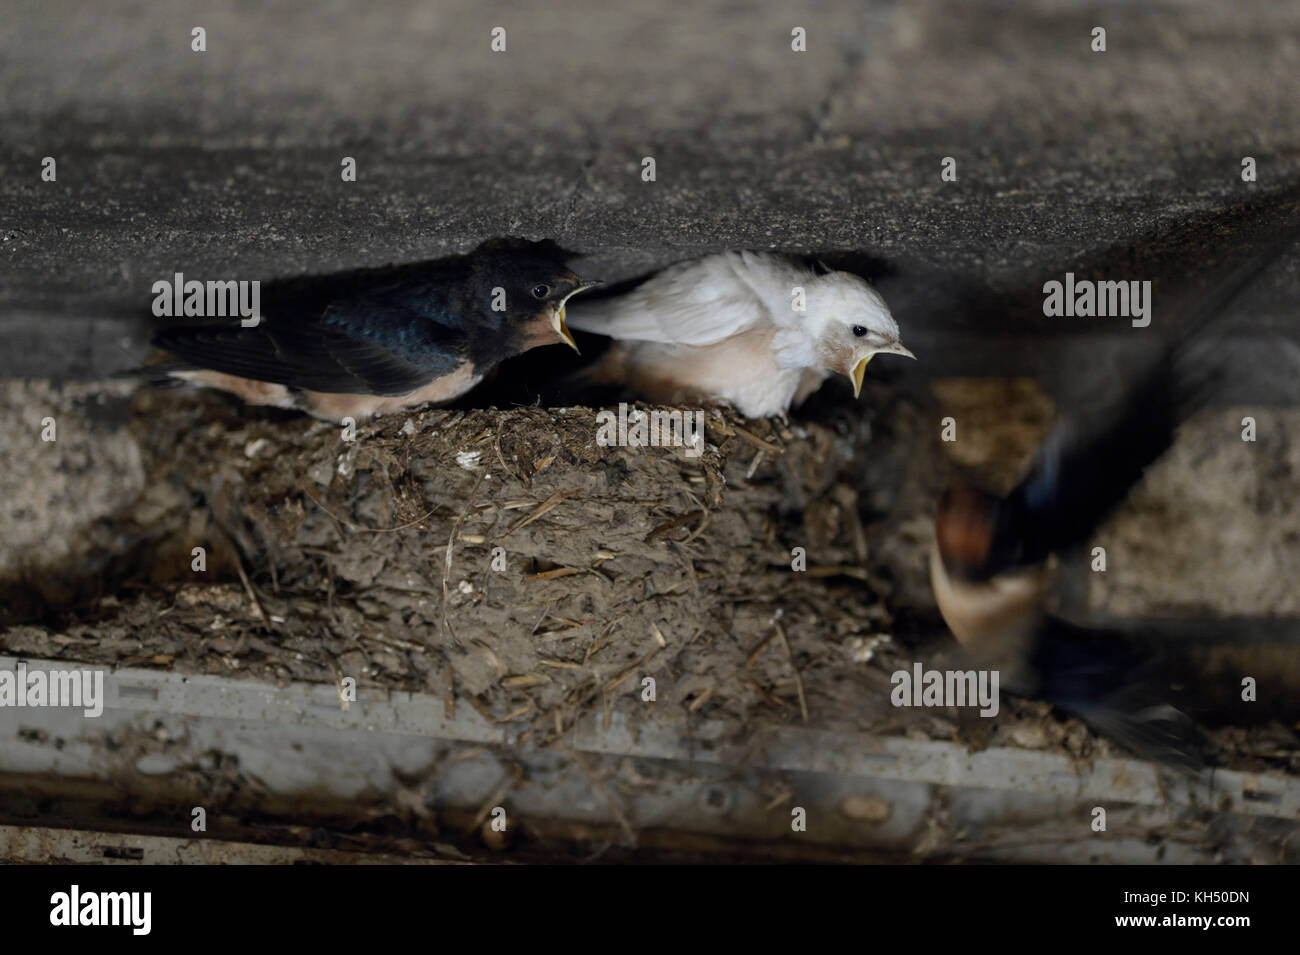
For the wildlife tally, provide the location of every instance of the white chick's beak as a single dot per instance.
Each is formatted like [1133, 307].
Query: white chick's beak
[859, 370]
[557, 317]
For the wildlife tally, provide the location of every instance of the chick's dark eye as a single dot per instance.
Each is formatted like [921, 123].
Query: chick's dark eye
[858, 331]
[541, 291]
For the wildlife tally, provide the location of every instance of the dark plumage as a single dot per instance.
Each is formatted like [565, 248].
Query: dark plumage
[989, 566]
[378, 340]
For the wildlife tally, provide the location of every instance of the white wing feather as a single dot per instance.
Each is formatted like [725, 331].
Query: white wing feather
[693, 303]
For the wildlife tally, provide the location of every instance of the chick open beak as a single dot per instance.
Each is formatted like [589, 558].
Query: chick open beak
[860, 369]
[561, 329]
[557, 319]
[856, 375]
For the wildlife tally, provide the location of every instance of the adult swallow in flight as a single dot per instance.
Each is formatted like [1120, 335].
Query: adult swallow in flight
[753, 329]
[992, 581]
[990, 563]
[381, 340]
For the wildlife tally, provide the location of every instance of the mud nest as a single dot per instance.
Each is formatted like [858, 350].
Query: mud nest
[499, 558]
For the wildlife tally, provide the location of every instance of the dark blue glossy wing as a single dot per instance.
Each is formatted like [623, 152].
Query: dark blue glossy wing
[388, 342]
[1095, 456]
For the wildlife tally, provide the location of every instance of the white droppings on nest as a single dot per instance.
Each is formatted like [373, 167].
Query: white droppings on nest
[345, 465]
[465, 587]
[862, 649]
[468, 459]
[408, 428]
[252, 447]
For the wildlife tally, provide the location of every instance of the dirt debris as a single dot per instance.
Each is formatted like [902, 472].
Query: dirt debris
[504, 553]
[505, 561]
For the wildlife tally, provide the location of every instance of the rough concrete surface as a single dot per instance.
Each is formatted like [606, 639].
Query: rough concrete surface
[227, 162]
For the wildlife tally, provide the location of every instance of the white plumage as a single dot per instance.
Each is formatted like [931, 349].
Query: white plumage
[729, 327]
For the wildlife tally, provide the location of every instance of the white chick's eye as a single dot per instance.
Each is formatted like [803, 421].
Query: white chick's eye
[859, 331]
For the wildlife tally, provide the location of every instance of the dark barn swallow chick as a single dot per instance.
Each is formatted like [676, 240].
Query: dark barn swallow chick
[381, 340]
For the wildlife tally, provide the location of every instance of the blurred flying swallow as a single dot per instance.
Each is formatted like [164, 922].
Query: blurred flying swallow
[382, 340]
[990, 566]
[757, 330]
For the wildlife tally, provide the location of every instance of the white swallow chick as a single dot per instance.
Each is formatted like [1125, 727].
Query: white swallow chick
[753, 329]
